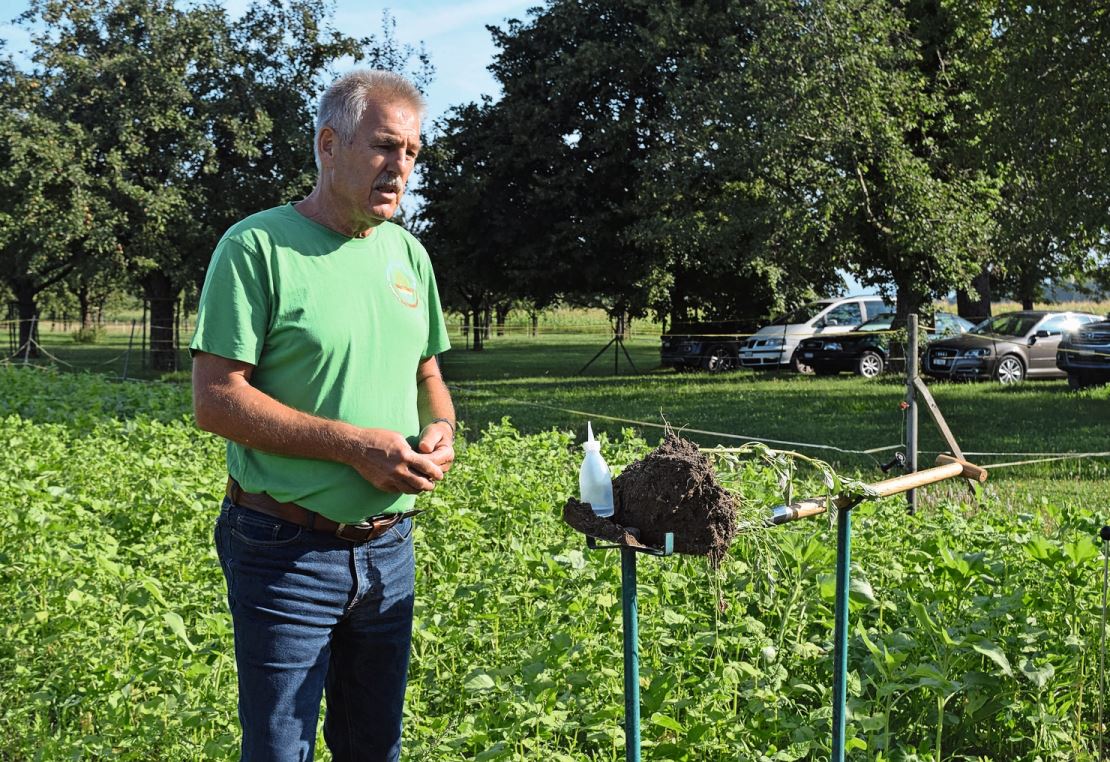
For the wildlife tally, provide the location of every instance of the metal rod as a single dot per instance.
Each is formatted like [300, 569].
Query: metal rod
[840, 634]
[911, 409]
[600, 352]
[127, 357]
[142, 351]
[1105, 535]
[631, 657]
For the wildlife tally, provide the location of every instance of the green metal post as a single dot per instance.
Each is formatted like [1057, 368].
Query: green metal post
[840, 636]
[631, 657]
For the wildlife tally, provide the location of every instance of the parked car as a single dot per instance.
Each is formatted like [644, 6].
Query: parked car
[1084, 354]
[866, 349]
[775, 345]
[1008, 348]
[713, 346]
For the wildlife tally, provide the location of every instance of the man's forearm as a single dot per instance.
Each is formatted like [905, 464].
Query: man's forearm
[433, 400]
[243, 414]
[227, 404]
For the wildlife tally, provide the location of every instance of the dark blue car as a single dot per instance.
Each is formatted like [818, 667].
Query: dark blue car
[866, 349]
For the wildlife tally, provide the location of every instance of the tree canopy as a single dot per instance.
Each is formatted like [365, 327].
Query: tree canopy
[728, 159]
[157, 126]
[684, 158]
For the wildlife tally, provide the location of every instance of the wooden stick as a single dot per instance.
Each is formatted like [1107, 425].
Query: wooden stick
[971, 471]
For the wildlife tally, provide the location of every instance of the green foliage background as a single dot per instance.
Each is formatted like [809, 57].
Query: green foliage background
[974, 627]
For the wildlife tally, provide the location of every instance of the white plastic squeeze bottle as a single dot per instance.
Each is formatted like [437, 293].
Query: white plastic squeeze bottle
[595, 482]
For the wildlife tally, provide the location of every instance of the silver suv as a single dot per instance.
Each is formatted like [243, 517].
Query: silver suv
[775, 345]
[1084, 354]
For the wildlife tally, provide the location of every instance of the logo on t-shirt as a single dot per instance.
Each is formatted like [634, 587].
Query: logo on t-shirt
[403, 284]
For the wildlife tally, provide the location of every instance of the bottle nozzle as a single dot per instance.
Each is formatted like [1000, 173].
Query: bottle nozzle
[591, 444]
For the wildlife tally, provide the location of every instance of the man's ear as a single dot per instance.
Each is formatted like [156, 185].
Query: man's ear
[325, 145]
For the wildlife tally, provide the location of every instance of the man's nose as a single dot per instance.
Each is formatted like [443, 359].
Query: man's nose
[399, 161]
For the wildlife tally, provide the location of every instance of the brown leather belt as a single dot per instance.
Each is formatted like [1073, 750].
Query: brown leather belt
[363, 531]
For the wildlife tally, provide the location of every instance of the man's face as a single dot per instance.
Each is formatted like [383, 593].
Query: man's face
[367, 177]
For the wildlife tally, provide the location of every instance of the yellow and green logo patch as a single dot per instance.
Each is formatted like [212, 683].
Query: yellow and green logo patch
[402, 282]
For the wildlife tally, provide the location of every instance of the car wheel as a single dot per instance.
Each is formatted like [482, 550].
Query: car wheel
[798, 366]
[719, 358]
[1076, 382]
[1010, 370]
[871, 364]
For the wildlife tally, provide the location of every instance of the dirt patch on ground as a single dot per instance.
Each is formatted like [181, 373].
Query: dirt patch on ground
[673, 489]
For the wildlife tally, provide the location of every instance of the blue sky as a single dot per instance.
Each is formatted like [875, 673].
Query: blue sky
[453, 32]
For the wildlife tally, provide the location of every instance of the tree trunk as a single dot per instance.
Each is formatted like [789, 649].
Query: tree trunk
[162, 296]
[83, 303]
[620, 326]
[486, 322]
[502, 312]
[25, 298]
[975, 305]
[1029, 287]
[535, 323]
[679, 309]
[909, 302]
[479, 332]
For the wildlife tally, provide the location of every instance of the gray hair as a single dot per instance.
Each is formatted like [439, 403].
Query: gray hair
[342, 105]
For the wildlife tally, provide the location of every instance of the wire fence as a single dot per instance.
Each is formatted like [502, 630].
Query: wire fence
[129, 348]
[124, 356]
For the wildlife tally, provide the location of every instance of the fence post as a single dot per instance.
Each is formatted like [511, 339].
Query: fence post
[127, 357]
[30, 340]
[911, 408]
[142, 346]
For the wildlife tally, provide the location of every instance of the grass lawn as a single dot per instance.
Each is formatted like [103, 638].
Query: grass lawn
[534, 383]
[117, 353]
[117, 643]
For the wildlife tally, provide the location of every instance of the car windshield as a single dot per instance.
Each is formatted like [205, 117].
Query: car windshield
[880, 322]
[802, 314]
[1013, 324]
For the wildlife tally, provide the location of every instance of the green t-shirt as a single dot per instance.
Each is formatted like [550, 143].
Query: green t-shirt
[335, 327]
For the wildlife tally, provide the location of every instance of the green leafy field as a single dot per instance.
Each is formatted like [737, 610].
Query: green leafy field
[975, 628]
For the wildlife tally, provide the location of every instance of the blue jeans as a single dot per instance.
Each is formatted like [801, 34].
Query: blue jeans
[315, 615]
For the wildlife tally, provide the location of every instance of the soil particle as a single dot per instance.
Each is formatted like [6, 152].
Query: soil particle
[673, 489]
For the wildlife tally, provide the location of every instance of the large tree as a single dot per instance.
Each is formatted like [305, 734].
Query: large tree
[51, 213]
[863, 140]
[732, 248]
[1048, 79]
[582, 90]
[192, 121]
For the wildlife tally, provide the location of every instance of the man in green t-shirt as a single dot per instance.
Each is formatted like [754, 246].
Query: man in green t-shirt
[314, 356]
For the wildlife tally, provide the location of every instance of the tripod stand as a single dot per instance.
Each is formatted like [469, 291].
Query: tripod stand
[617, 343]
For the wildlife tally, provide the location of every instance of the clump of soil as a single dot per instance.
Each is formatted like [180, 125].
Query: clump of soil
[673, 489]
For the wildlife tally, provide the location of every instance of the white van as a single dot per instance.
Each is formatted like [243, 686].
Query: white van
[774, 345]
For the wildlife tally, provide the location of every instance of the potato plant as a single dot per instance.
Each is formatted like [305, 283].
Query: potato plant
[974, 628]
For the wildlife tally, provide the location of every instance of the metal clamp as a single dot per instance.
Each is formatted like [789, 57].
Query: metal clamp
[666, 550]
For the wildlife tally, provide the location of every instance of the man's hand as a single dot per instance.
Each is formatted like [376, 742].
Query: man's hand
[227, 404]
[437, 441]
[385, 459]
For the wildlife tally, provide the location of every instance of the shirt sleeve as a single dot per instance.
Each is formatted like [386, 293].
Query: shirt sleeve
[234, 310]
[437, 327]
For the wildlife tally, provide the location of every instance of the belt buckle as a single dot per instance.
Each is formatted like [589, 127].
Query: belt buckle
[360, 532]
[368, 529]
